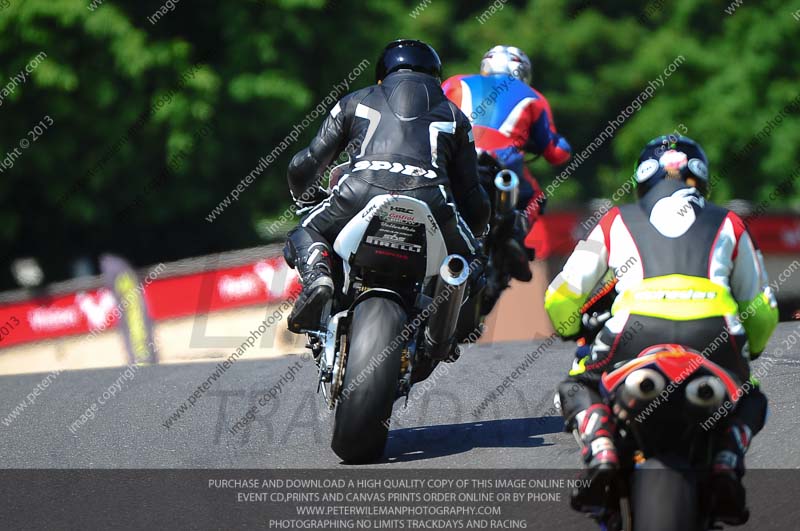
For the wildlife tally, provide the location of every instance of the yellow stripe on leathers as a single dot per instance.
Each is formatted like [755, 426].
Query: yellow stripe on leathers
[677, 298]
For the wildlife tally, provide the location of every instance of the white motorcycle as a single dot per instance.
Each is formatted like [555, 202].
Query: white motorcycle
[392, 319]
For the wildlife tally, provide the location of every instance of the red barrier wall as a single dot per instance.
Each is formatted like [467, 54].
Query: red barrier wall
[257, 283]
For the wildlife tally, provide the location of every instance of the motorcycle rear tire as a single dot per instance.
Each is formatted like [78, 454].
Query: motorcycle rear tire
[363, 411]
[664, 496]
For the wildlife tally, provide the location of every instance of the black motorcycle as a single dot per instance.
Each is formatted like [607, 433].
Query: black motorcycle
[508, 228]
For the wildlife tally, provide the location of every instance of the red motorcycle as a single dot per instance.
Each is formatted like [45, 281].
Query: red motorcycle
[662, 401]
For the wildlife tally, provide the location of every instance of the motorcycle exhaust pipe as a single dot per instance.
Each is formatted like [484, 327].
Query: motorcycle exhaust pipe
[445, 307]
[706, 392]
[506, 185]
[640, 387]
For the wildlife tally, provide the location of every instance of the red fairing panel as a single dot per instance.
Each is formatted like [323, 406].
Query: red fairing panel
[675, 362]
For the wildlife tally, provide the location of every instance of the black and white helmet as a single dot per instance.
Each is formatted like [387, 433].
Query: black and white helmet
[507, 60]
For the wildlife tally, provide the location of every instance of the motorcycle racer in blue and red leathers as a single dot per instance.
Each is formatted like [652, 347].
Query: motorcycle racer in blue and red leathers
[510, 118]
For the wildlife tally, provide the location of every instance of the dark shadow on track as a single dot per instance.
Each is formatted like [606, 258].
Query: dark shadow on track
[427, 442]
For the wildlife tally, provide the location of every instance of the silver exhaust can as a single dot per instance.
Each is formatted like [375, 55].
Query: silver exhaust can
[445, 307]
[506, 185]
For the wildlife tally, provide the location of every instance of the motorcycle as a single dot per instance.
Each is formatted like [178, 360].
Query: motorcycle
[506, 219]
[394, 316]
[660, 400]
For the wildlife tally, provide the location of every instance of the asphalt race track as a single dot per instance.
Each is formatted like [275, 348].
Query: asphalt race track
[439, 429]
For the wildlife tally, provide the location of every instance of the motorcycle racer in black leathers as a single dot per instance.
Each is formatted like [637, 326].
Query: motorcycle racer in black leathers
[403, 135]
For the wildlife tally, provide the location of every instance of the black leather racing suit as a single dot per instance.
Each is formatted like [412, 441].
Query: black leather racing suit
[402, 135]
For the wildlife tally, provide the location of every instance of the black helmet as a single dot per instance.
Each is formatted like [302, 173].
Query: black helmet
[408, 54]
[675, 157]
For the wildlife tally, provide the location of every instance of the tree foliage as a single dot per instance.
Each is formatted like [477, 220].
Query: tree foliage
[155, 124]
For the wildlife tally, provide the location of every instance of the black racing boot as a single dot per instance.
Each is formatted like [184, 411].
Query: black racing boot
[729, 502]
[314, 269]
[595, 432]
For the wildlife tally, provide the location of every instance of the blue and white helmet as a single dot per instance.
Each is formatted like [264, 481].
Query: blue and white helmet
[507, 60]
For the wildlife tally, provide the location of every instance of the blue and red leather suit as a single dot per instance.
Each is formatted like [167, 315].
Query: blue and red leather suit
[510, 118]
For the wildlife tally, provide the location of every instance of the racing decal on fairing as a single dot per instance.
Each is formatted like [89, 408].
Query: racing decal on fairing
[399, 228]
[388, 242]
[424, 228]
